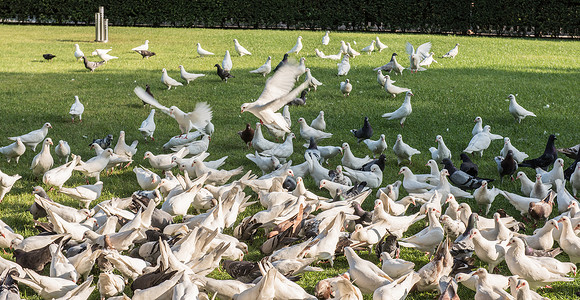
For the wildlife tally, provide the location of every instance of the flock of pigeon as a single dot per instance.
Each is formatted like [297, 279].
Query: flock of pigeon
[138, 239]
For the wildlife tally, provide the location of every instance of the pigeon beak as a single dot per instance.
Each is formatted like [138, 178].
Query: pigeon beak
[400, 172]
[557, 227]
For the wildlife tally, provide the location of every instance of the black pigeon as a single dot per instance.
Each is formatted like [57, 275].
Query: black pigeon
[246, 230]
[48, 56]
[223, 74]
[507, 166]
[467, 165]
[571, 152]
[145, 53]
[379, 162]
[545, 160]
[247, 134]
[91, 65]
[366, 132]
[148, 91]
[244, 271]
[461, 179]
[388, 244]
[300, 100]
[289, 183]
[313, 150]
[104, 143]
[568, 172]
[278, 241]
[148, 280]
[283, 62]
[35, 259]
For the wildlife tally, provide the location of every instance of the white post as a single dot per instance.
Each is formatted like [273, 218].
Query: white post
[101, 26]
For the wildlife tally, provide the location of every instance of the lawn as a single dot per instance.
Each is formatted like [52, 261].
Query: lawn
[544, 73]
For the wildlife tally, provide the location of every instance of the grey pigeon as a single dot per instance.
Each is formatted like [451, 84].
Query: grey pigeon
[91, 65]
[145, 53]
[104, 143]
[462, 179]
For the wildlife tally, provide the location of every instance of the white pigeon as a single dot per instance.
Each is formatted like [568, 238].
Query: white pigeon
[557, 172]
[277, 92]
[104, 54]
[416, 56]
[284, 150]
[142, 47]
[380, 45]
[60, 266]
[296, 49]
[479, 142]
[313, 81]
[110, 284]
[478, 127]
[146, 178]
[76, 110]
[195, 147]
[306, 132]
[78, 53]
[188, 76]
[319, 122]
[575, 180]
[393, 89]
[484, 196]
[164, 162]
[260, 143]
[94, 166]
[59, 175]
[147, 127]
[14, 150]
[381, 78]
[326, 38]
[344, 66]
[227, 64]
[343, 47]
[377, 147]
[350, 51]
[453, 52]
[6, 183]
[34, 137]
[351, 161]
[427, 61]
[319, 53]
[122, 149]
[62, 150]
[337, 56]
[199, 118]
[517, 110]
[402, 112]
[368, 49]
[168, 81]
[202, 52]
[367, 276]
[441, 152]
[264, 69]
[373, 178]
[346, 87]
[46, 287]
[518, 155]
[43, 161]
[403, 151]
[240, 49]
[85, 194]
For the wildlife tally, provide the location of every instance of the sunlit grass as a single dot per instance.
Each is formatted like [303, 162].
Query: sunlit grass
[447, 98]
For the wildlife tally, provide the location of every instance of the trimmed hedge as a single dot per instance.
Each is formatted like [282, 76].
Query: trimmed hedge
[514, 17]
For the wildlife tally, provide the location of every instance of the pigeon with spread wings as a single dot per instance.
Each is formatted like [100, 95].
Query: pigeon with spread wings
[197, 119]
[279, 90]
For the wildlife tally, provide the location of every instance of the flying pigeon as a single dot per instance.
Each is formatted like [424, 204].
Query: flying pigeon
[168, 81]
[366, 132]
[240, 49]
[197, 119]
[202, 52]
[91, 65]
[416, 56]
[277, 92]
[223, 74]
[453, 52]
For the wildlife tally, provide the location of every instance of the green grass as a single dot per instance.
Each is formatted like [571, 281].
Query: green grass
[447, 98]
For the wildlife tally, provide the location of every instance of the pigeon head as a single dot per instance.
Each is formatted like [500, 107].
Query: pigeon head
[477, 120]
[164, 70]
[465, 158]
[47, 125]
[448, 165]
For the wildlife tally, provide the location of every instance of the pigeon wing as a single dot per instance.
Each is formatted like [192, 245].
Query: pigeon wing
[424, 50]
[410, 49]
[280, 84]
[201, 115]
[145, 97]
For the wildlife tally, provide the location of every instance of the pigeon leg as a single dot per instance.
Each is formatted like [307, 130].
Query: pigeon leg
[73, 120]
